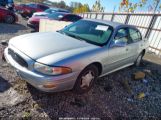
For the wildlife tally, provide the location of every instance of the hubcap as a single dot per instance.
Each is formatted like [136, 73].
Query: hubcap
[9, 19]
[86, 79]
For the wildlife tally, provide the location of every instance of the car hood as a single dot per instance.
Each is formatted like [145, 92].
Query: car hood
[40, 45]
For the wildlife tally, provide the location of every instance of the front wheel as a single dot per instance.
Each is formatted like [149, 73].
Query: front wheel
[86, 79]
[9, 19]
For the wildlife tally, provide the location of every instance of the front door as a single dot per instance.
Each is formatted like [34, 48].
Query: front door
[117, 55]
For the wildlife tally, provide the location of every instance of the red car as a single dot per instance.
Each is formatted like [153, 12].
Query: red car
[33, 22]
[7, 16]
[26, 10]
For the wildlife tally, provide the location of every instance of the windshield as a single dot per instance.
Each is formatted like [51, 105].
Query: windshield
[89, 31]
[56, 16]
[49, 11]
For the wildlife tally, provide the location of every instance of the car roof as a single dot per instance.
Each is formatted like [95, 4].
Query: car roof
[113, 24]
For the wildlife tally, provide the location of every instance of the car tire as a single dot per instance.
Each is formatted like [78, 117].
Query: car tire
[139, 59]
[86, 79]
[9, 19]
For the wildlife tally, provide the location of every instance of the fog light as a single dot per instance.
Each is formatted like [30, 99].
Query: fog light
[49, 85]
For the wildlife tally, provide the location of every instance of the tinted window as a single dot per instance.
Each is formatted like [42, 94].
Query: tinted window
[71, 18]
[32, 5]
[90, 31]
[63, 11]
[135, 35]
[42, 7]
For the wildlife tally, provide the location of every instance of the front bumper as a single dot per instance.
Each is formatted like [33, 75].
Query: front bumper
[62, 83]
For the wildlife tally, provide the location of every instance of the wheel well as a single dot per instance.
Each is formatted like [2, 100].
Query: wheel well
[99, 66]
[143, 52]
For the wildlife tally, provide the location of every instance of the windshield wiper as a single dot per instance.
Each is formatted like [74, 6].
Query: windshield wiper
[74, 36]
[60, 31]
[71, 35]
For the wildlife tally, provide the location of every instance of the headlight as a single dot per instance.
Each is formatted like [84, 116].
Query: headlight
[51, 70]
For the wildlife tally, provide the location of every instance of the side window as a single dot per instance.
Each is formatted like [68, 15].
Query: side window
[76, 18]
[135, 35]
[66, 18]
[121, 35]
[42, 7]
[32, 5]
[71, 18]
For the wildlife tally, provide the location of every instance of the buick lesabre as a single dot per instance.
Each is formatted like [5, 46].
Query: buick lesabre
[75, 56]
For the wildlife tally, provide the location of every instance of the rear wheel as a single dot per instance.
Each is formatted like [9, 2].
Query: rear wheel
[86, 79]
[139, 59]
[9, 19]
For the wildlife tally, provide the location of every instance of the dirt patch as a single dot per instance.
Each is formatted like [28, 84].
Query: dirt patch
[7, 31]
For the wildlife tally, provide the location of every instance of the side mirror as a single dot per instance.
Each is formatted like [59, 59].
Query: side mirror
[118, 43]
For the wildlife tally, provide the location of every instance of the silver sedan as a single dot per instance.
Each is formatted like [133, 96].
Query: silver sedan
[75, 56]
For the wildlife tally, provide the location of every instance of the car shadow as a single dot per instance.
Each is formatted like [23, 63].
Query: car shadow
[4, 85]
[11, 28]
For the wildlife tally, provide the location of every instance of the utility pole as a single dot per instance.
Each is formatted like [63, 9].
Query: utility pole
[114, 8]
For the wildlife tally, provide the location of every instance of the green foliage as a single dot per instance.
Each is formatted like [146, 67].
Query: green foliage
[97, 7]
[82, 9]
[26, 115]
[127, 6]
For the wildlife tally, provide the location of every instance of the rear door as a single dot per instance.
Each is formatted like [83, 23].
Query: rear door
[133, 48]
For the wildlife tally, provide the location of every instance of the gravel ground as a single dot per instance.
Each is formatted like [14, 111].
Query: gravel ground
[113, 97]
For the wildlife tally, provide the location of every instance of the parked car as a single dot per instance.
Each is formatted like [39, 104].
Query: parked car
[9, 4]
[75, 56]
[33, 22]
[50, 11]
[3, 3]
[7, 16]
[26, 10]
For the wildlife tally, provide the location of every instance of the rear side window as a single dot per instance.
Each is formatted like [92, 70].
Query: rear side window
[42, 7]
[72, 18]
[32, 5]
[135, 35]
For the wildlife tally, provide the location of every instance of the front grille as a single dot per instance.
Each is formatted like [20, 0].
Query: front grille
[17, 58]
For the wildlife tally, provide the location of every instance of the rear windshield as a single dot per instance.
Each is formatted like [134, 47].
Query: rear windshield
[56, 16]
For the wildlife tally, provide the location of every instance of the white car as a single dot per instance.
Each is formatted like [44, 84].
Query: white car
[50, 11]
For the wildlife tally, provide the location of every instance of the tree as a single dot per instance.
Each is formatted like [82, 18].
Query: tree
[75, 4]
[82, 9]
[97, 7]
[127, 6]
[62, 4]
